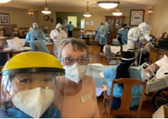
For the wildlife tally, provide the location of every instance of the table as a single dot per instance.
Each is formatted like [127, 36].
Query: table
[11, 53]
[87, 37]
[156, 54]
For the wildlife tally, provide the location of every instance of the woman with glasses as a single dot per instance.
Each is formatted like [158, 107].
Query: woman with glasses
[80, 97]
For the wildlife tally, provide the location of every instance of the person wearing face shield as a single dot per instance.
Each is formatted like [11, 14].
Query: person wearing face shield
[80, 97]
[29, 88]
[36, 37]
[134, 35]
[57, 35]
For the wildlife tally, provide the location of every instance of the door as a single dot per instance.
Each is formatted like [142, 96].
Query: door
[115, 23]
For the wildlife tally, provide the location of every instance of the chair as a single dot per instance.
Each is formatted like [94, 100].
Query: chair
[126, 97]
[111, 56]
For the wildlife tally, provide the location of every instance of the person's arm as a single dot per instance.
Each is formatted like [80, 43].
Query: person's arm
[96, 114]
[52, 35]
[27, 37]
[43, 35]
[133, 34]
[64, 34]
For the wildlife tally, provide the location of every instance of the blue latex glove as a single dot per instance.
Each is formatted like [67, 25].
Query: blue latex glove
[151, 40]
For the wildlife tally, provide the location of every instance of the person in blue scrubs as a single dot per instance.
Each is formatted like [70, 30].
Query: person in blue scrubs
[36, 37]
[70, 29]
[101, 36]
[29, 88]
[123, 33]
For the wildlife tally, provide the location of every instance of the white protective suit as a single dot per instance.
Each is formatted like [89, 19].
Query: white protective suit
[134, 34]
[65, 26]
[57, 35]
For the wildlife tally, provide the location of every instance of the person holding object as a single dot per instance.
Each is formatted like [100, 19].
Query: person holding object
[57, 35]
[80, 89]
[36, 37]
[28, 86]
[135, 34]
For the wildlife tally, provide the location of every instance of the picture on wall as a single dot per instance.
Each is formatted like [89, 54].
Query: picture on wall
[4, 19]
[136, 17]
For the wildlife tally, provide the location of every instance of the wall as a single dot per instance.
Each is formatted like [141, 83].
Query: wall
[49, 23]
[159, 18]
[19, 16]
[98, 16]
[22, 19]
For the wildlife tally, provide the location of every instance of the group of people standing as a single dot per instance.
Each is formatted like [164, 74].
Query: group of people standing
[36, 36]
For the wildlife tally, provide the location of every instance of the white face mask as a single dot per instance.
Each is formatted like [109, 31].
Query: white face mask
[75, 72]
[34, 102]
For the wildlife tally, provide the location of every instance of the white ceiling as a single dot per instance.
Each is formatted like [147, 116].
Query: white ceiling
[82, 3]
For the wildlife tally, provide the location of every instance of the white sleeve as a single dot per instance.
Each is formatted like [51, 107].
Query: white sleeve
[64, 34]
[161, 61]
[133, 34]
[53, 34]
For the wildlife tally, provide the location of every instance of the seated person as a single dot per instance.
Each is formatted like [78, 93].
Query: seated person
[122, 71]
[28, 86]
[160, 68]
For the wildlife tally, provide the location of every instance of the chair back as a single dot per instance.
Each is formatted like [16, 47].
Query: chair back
[126, 97]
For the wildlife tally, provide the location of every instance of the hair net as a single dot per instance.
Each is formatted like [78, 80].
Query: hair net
[35, 25]
[58, 25]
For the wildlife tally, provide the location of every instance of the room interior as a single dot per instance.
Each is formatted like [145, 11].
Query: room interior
[22, 13]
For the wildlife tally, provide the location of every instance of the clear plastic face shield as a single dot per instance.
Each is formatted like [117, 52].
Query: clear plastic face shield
[35, 25]
[27, 95]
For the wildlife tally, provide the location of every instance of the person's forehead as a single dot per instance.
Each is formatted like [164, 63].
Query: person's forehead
[68, 50]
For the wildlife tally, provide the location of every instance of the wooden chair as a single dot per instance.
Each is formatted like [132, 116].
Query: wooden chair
[111, 56]
[126, 97]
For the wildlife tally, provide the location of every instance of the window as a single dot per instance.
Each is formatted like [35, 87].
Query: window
[82, 23]
[73, 19]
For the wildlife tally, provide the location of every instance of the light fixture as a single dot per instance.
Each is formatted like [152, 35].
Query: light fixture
[4, 1]
[87, 14]
[117, 12]
[46, 9]
[31, 13]
[150, 11]
[108, 4]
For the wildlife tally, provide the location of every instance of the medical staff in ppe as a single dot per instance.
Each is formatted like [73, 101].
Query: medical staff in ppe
[36, 37]
[135, 35]
[101, 36]
[123, 33]
[65, 26]
[57, 35]
[29, 88]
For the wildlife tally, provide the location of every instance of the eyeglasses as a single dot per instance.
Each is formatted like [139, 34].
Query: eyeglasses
[71, 61]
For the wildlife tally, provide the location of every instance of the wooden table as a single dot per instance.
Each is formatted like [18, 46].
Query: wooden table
[11, 53]
[156, 54]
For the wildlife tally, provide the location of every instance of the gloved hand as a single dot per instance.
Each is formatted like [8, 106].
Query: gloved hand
[151, 40]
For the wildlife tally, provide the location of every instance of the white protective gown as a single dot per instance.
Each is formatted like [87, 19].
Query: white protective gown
[135, 33]
[59, 36]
